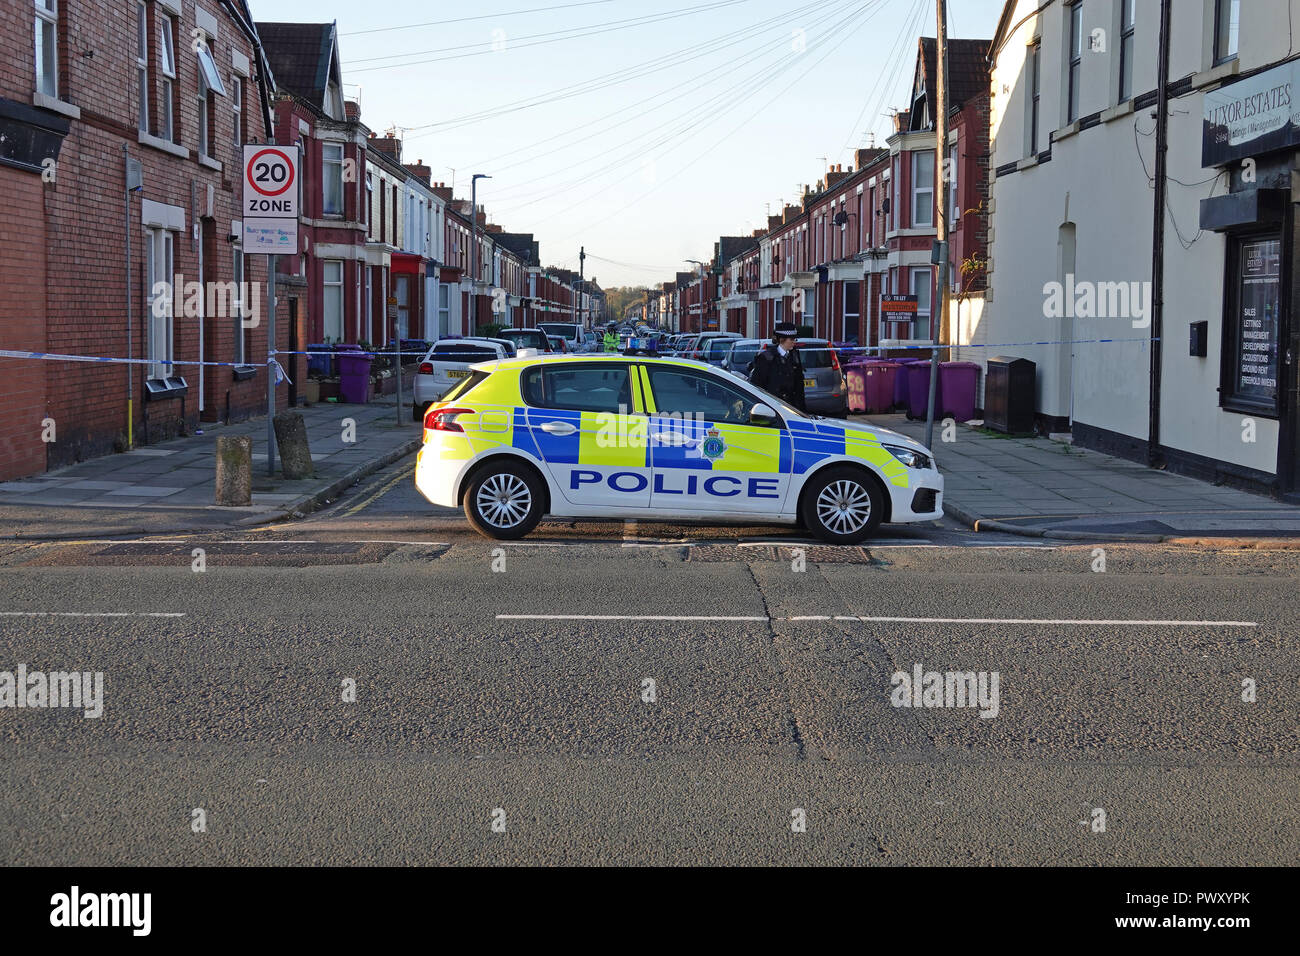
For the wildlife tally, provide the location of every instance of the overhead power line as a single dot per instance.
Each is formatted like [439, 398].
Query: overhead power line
[482, 16]
[538, 39]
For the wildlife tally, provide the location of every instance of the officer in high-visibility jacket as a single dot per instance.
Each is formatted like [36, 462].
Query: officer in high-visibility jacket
[778, 369]
[611, 340]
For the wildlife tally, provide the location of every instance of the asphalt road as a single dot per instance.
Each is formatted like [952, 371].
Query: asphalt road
[509, 685]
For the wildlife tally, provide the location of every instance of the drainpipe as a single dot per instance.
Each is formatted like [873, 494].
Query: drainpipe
[130, 297]
[1154, 458]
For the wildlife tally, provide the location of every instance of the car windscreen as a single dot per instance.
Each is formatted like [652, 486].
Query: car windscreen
[564, 329]
[527, 340]
[463, 352]
[742, 355]
[718, 348]
[816, 354]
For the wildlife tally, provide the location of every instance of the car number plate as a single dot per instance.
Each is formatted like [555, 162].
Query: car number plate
[810, 383]
[457, 373]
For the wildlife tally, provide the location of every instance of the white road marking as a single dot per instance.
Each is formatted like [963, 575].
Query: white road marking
[629, 617]
[1100, 622]
[92, 614]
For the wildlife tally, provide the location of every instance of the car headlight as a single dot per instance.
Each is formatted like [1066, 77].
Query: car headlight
[910, 458]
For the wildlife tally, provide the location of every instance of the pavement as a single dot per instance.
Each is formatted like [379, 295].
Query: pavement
[171, 485]
[1047, 487]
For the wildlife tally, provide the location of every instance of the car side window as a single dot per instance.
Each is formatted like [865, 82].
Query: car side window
[683, 392]
[583, 388]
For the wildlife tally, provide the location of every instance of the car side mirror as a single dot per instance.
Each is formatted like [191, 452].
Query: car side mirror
[762, 414]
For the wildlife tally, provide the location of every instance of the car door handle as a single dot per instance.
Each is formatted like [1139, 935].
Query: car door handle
[673, 438]
[559, 428]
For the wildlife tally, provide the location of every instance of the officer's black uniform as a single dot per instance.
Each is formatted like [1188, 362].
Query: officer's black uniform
[781, 375]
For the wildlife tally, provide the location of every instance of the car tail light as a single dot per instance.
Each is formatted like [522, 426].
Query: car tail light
[444, 419]
[426, 368]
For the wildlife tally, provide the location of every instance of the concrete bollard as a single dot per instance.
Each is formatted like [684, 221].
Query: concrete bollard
[291, 436]
[234, 470]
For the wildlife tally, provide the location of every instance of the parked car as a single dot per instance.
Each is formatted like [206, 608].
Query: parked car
[571, 332]
[519, 440]
[527, 339]
[825, 390]
[739, 359]
[716, 349]
[447, 364]
[700, 343]
[559, 344]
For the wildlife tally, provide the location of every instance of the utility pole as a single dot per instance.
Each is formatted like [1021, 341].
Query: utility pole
[939, 303]
[1158, 234]
[473, 243]
[582, 278]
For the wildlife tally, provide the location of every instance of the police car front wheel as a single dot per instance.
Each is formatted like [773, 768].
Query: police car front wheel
[842, 505]
[504, 500]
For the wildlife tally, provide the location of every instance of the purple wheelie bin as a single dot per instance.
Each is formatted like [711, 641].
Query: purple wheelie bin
[354, 374]
[918, 390]
[879, 379]
[957, 382]
[900, 379]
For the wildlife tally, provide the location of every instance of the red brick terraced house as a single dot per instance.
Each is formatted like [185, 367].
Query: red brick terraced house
[120, 129]
[327, 278]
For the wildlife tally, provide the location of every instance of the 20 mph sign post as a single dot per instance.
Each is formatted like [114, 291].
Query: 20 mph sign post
[270, 211]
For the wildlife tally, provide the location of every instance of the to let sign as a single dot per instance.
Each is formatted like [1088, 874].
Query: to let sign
[898, 303]
[270, 206]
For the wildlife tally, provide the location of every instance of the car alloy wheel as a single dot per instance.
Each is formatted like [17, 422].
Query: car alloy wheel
[843, 505]
[504, 499]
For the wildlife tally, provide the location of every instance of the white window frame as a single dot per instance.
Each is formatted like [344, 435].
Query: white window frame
[1035, 119]
[1227, 19]
[47, 29]
[167, 67]
[915, 274]
[954, 198]
[160, 265]
[331, 179]
[237, 106]
[845, 314]
[1073, 60]
[205, 141]
[918, 191]
[444, 309]
[142, 64]
[331, 288]
[1127, 47]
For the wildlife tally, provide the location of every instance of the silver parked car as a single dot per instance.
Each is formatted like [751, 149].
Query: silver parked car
[825, 389]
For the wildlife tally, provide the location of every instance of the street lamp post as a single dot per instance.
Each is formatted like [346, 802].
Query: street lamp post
[473, 252]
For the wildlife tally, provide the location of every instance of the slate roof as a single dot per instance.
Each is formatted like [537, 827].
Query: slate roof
[968, 68]
[301, 56]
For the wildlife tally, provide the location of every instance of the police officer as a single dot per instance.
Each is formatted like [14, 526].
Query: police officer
[611, 340]
[777, 369]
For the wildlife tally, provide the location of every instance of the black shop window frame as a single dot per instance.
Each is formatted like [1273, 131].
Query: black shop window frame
[1230, 353]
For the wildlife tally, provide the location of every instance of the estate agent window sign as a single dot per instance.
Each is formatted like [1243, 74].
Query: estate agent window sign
[1250, 379]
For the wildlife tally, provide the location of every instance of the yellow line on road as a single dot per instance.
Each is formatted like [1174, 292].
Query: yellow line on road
[387, 486]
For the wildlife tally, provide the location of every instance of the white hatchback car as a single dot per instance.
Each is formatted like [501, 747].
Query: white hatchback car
[446, 364]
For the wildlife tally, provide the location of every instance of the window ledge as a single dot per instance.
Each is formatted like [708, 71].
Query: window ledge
[1029, 162]
[1117, 111]
[162, 145]
[244, 372]
[55, 105]
[1065, 132]
[209, 162]
[1216, 74]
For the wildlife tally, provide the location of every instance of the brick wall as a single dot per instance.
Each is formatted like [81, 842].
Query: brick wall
[79, 251]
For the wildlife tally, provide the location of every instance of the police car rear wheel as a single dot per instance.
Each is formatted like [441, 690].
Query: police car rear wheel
[504, 501]
[843, 506]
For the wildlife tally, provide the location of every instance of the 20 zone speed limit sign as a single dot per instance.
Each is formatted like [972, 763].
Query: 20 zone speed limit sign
[270, 206]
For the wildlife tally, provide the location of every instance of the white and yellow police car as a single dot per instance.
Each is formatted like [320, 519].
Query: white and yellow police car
[653, 439]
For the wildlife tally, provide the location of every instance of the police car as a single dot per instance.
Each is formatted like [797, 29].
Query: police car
[659, 439]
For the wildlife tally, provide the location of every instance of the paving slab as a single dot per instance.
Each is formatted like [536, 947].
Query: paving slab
[1041, 486]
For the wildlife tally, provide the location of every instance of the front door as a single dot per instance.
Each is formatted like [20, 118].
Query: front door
[706, 456]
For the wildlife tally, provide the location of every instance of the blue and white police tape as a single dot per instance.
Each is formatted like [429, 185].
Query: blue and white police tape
[280, 373]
